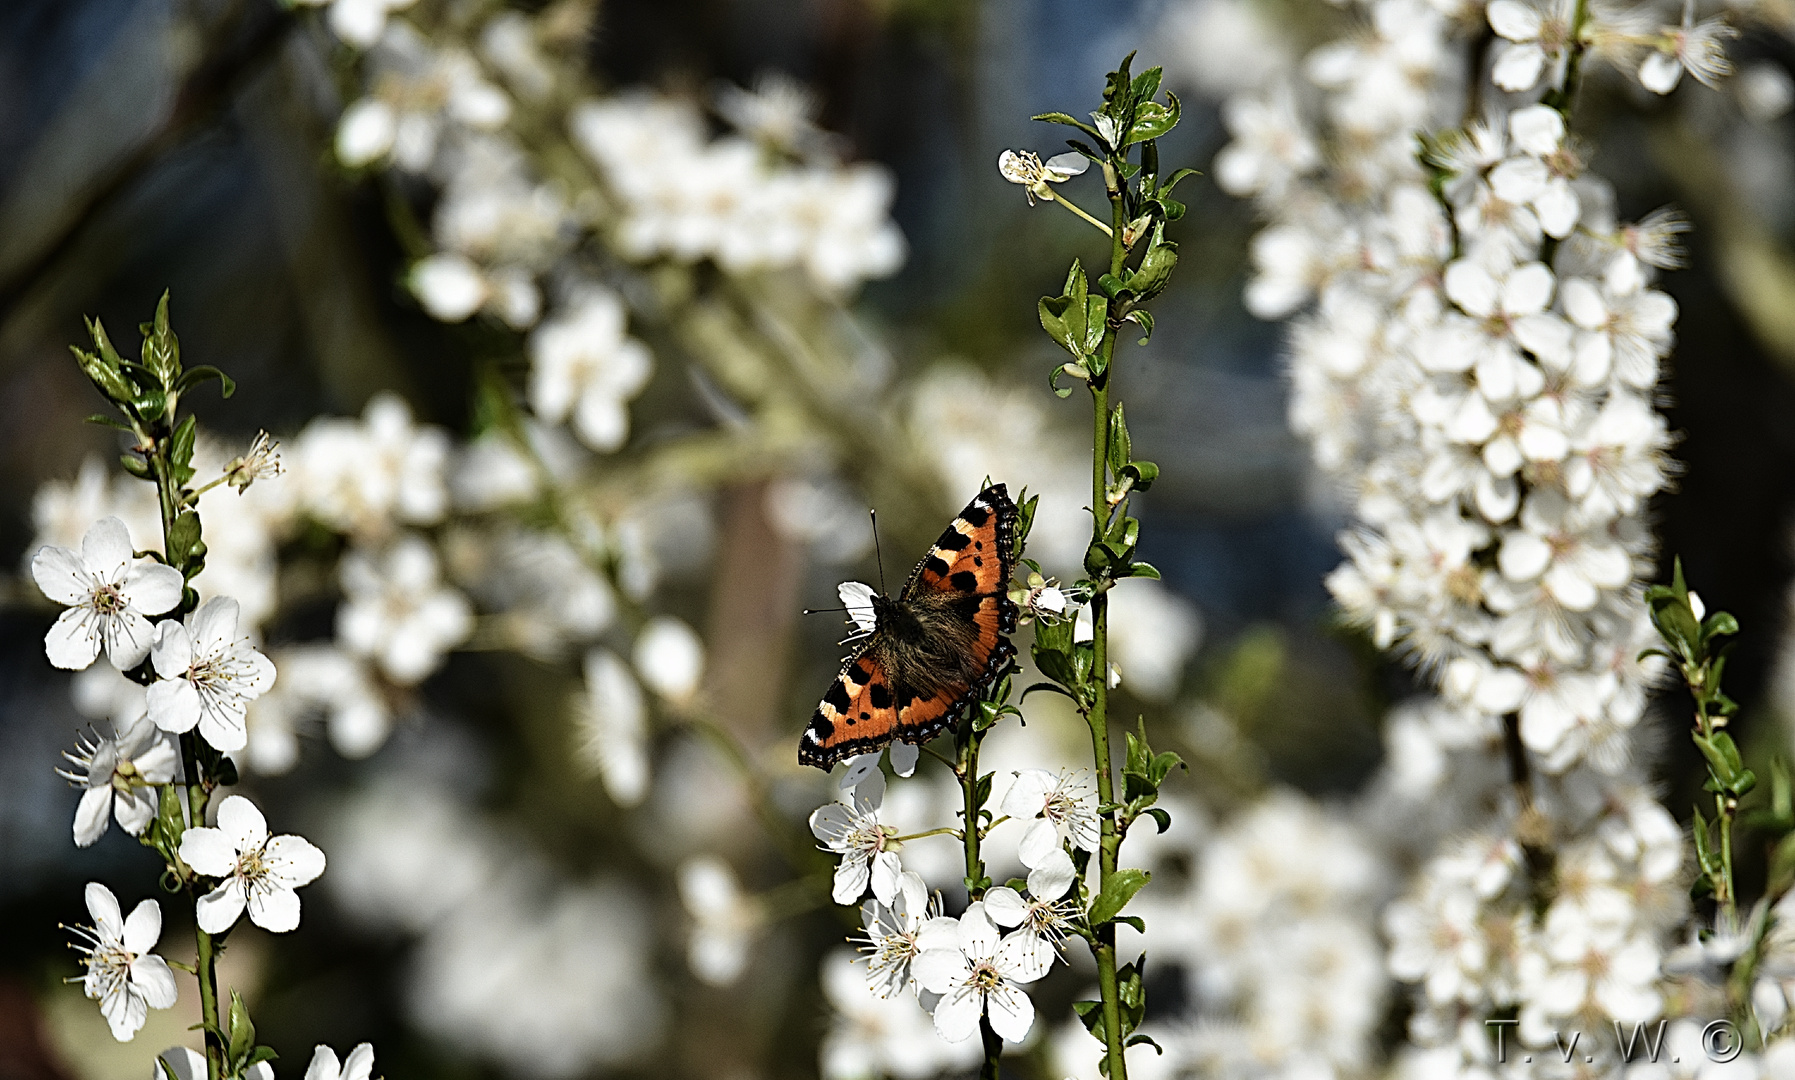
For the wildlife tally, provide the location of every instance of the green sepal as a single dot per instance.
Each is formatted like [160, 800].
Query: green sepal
[242, 1038]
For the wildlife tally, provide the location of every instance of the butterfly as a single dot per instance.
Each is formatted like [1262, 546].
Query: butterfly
[932, 648]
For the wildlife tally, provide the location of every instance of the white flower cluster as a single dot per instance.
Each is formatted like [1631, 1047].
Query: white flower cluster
[959, 969]
[1476, 345]
[1270, 919]
[735, 200]
[512, 961]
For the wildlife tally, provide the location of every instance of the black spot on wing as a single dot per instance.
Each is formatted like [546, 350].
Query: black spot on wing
[965, 581]
[936, 565]
[976, 516]
[953, 540]
[837, 697]
[881, 696]
[820, 727]
[905, 696]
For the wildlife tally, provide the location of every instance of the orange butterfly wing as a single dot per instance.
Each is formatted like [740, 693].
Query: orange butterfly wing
[862, 711]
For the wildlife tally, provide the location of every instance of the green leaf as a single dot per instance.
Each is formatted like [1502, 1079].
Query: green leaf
[1145, 319]
[1153, 120]
[183, 537]
[204, 373]
[266, 1053]
[1025, 521]
[104, 376]
[1146, 84]
[1172, 180]
[1118, 889]
[180, 445]
[1161, 817]
[1069, 121]
[136, 466]
[1135, 921]
[1717, 624]
[108, 421]
[1142, 570]
[1137, 1039]
[161, 348]
[1142, 473]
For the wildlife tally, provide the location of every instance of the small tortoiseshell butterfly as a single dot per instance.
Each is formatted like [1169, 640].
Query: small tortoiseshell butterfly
[931, 649]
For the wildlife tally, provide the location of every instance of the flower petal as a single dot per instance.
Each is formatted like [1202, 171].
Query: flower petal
[92, 815]
[239, 820]
[174, 705]
[1005, 906]
[61, 575]
[135, 809]
[1024, 956]
[128, 635]
[223, 726]
[1012, 1013]
[107, 548]
[1052, 878]
[360, 1065]
[957, 1014]
[886, 869]
[904, 757]
[978, 934]
[208, 851]
[293, 860]
[151, 977]
[152, 588]
[217, 911]
[214, 626]
[1028, 793]
[1039, 843]
[274, 910]
[851, 878]
[74, 641]
[103, 907]
[939, 970]
[171, 653]
[143, 927]
[324, 1065]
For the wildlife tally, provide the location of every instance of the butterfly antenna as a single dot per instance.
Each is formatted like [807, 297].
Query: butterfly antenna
[877, 554]
[822, 610]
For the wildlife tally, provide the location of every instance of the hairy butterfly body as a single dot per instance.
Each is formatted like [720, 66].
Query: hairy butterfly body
[932, 648]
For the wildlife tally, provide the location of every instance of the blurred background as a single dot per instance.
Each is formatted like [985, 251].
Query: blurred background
[190, 145]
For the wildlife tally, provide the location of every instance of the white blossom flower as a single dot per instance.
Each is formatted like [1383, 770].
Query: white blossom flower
[670, 658]
[892, 933]
[397, 612]
[872, 1036]
[123, 975]
[358, 1066]
[209, 675]
[977, 974]
[724, 920]
[868, 850]
[1064, 809]
[1690, 46]
[449, 285]
[1041, 925]
[120, 775]
[358, 22]
[583, 364]
[1536, 33]
[107, 592]
[364, 476]
[255, 870]
[613, 723]
[1025, 167]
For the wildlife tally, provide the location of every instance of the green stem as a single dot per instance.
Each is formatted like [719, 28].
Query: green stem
[1104, 945]
[195, 788]
[968, 772]
[1076, 209]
